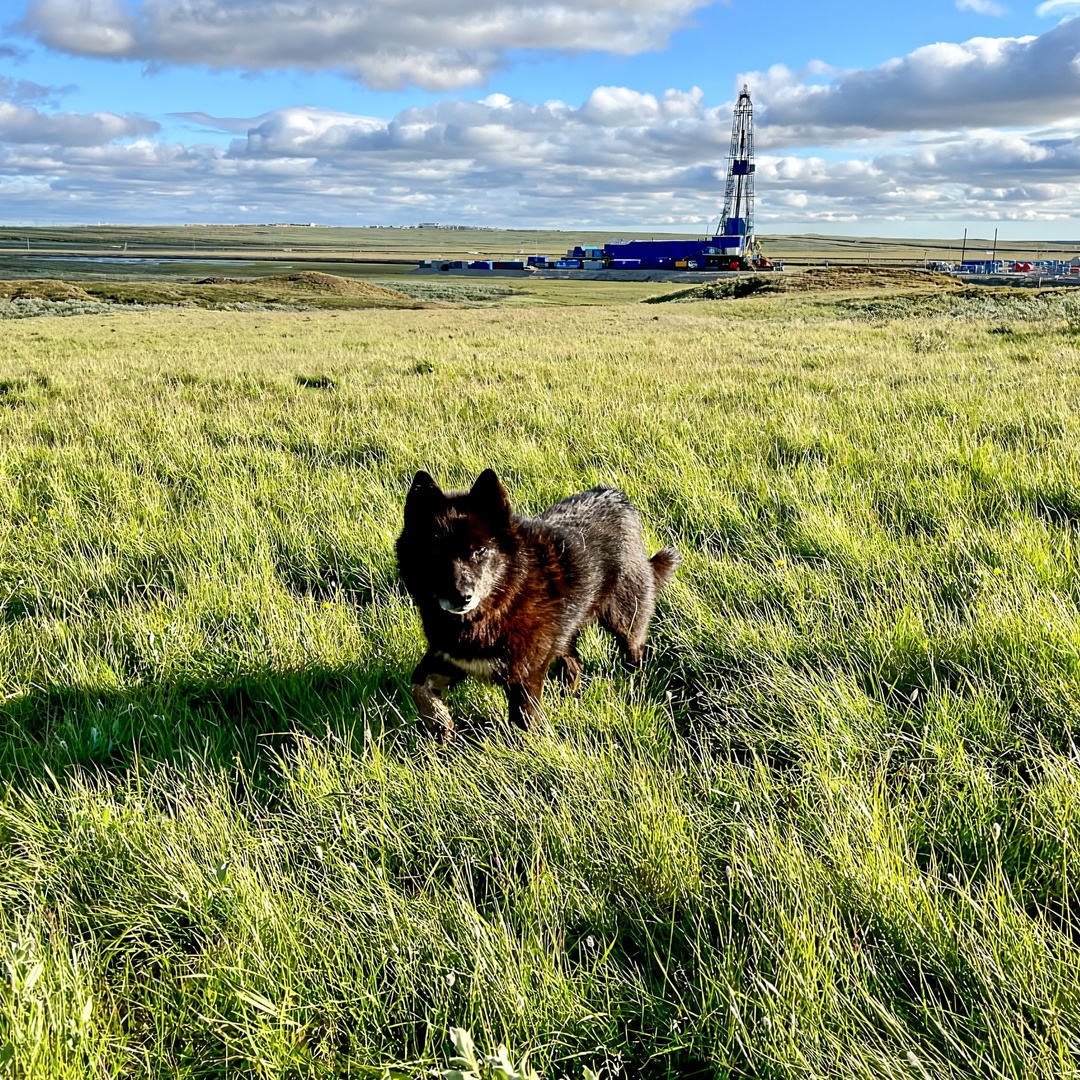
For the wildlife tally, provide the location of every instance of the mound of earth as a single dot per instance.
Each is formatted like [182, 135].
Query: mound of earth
[348, 288]
[817, 279]
[850, 278]
[722, 289]
[41, 289]
[972, 302]
[303, 291]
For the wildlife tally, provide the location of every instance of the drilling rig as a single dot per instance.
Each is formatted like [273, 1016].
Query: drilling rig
[732, 247]
[736, 232]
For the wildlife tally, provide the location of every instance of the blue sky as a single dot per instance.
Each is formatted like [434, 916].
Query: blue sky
[921, 118]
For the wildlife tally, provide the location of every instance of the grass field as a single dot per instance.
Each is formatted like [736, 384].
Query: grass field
[830, 830]
[254, 250]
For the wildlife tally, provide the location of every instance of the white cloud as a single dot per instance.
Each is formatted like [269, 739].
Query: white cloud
[984, 81]
[985, 128]
[29, 126]
[982, 7]
[619, 157]
[1058, 7]
[435, 44]
[25, 92]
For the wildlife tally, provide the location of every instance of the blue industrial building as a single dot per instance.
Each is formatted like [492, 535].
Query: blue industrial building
[722, 252]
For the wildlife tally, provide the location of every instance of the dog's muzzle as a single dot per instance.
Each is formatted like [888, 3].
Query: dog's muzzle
[462, 608]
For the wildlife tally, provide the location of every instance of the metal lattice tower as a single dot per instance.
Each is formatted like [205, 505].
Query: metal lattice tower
[738, 219]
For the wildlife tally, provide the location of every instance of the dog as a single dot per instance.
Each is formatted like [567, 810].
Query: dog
[502, 596]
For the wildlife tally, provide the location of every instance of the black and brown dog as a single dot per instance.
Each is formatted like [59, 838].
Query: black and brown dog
[502, 596]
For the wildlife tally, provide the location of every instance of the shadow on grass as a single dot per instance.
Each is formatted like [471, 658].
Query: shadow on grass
[241, 724]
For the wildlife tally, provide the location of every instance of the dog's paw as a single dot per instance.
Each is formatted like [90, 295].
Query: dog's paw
[434, 715]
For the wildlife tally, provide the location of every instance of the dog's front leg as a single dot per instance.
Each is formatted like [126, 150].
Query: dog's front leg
[431, 679]
[523, 690]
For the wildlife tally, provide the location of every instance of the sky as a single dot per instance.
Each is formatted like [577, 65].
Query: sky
[920, 118]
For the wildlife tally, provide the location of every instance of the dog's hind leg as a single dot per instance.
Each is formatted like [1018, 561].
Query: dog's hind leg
[626, 617]
[568, 667]
[629, 607]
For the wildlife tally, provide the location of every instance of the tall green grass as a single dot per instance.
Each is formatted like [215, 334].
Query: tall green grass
[828, 830]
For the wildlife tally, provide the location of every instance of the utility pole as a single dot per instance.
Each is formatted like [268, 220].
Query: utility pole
[963, 250]
[993, 256]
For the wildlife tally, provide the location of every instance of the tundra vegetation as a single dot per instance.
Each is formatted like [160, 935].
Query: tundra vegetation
[830, 829]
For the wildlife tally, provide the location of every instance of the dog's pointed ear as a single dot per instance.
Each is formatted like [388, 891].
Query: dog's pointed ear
[489, 496]
[422, 482]
[422, 494]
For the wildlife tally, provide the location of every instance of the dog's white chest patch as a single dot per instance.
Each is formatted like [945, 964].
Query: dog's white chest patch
[478, 669]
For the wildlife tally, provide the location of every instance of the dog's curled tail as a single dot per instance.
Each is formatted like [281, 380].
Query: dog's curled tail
[664, 563]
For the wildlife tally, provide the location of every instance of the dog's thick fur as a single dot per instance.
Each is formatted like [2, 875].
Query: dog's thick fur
[502, 596]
